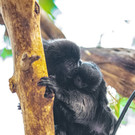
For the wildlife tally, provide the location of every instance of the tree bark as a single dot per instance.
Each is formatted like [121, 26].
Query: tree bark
[22, 19]
[117, 66]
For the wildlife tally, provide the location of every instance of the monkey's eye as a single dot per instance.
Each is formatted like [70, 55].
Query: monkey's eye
[84, 85]
[78, 83]
[78, 79]
[69, 65]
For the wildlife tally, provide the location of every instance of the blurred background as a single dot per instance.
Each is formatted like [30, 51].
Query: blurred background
[98, 23]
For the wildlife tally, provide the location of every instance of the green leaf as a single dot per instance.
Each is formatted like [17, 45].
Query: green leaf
[124, 122]
[118, 104]
[124, 101]
[50, 7]
[117, 109]
[6, 53]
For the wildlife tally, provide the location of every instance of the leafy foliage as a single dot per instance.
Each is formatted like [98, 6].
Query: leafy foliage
[6, 53]
[50, 7]
[118, 103]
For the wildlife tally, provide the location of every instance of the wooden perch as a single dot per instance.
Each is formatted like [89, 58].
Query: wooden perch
[22, 19]
[117, 66]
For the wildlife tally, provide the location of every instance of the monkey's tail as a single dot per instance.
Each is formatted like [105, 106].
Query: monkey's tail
[124, 112]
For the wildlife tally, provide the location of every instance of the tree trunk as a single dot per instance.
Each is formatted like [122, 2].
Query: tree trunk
[22, 19]
[117, 66]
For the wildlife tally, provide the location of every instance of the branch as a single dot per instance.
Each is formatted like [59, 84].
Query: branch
[117, 66]
[22, 19]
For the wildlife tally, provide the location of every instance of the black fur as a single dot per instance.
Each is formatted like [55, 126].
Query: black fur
[61, 54]
[80, 106]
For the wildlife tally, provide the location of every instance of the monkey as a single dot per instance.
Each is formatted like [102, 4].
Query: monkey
[61, 57]
[81, 105]
[67, 55]
[51, 66]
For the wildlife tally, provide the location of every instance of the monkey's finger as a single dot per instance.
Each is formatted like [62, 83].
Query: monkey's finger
[41, 84]
[44, 78]
[48, 85]
[52, 77]
[44, 83]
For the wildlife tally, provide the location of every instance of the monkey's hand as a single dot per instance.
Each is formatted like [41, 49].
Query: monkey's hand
[52, 85]
[49, 82]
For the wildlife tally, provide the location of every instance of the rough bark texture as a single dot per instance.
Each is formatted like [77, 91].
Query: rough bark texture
[117, 66]
[22, 19]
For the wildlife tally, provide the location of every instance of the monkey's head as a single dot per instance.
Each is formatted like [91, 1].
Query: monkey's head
[62, 57]
[87, 76]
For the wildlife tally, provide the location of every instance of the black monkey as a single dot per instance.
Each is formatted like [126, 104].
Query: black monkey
[77, 109]
[80, 105]
[61, 56]
[86, 75]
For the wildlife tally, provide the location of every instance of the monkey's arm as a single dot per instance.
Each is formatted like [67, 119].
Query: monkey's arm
[80, 105]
